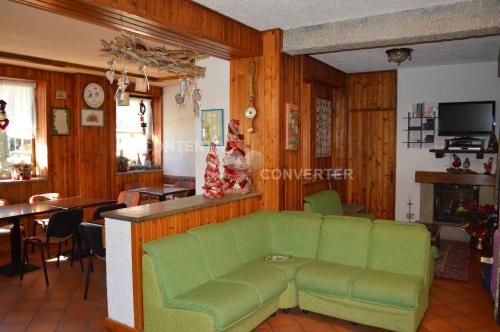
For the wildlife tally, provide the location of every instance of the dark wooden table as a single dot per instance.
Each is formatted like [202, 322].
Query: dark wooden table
[12, 214]
[77, 202]
[161, 192]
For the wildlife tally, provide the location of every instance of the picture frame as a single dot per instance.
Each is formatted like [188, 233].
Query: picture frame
[212, 127]
[292, 141]
[92, 117]
[60, 121]
[323, 139]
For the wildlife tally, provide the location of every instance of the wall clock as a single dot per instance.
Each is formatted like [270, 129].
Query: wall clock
[93, 95]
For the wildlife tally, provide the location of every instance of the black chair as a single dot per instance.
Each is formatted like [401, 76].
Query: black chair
[62, 226]
[91, 235]
[104, 208]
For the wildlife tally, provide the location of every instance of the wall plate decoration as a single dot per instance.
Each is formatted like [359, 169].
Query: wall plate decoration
[92, 118]
[292, 127]
[323, 142]
[61, 95]
[212, 127]
[94, 95]
[60, 121]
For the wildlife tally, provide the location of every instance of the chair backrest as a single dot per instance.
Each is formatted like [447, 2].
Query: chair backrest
[104, 208]
[325, 203]
[130, 198]
[4, 202]
[91, 236]
[43, 197]
[133, 185]
[64, 223]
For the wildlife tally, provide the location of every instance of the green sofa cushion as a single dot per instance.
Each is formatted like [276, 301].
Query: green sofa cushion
[326, 278]
[225, 302]
[295, 234]
[345, 241]
[399, 248]
[387, 288]
[290, 268]
[218, 247]
[268, 282]
[252, 234]
[325, 202]
[174, 258]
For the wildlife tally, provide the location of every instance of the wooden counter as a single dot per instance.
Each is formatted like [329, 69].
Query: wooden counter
[147, 212]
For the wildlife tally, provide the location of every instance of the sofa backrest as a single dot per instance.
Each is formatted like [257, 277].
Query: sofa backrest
[399, 248]
[295, 234]
[175, 258]
[252, 234]
[325, 203]
[218, 247]
[345, 240]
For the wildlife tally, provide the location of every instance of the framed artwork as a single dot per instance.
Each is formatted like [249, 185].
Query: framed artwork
[92, 118]
[60, 122]
[212, 127]
[323, 142]
[292, 127]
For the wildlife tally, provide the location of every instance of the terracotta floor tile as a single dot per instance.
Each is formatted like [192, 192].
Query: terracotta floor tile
[440, 325]
[42, 327]
[465, 307]
[73, 326]
[292, 328]
[281, 320]
[48, 315]
[443, 311]
[14, 327]
[317, 327]
[19, 317]
[463, 322]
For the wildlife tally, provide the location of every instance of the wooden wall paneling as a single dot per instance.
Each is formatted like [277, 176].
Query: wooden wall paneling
[320, 72]
[307, 130]
[339, 136]
[175, 224]
[157, 105]
[176, 22]
[372, 91]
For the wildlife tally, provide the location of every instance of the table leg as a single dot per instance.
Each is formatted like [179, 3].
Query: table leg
[15, 265]
[163, 198]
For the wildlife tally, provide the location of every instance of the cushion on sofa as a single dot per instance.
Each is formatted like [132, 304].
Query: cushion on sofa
[218, 247]
[295, 234]
[345, 241]
[174, 258]
[326, 278]
[400, 249]
[252, 234]
[224, 302]
[325, 202]
[387, 288]
[289, 268]
[268, 282]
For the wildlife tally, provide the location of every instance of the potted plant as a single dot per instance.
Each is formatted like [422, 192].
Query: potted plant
[21, 171]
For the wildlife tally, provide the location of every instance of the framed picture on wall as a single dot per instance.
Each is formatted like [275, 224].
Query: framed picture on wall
[323, 142]
[212, 127]
[60, 122]
[92, 118]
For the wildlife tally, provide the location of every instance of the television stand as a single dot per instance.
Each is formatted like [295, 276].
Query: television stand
[471, 144]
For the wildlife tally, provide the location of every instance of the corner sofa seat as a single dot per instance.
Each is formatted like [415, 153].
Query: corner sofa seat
[214, 278]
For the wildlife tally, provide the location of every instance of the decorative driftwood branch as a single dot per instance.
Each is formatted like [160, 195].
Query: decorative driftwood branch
[131, 49]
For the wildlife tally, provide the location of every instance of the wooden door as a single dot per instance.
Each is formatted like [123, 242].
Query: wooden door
[372, 142]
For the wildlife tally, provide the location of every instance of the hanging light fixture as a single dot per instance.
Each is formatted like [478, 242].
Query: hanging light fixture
[399, 55]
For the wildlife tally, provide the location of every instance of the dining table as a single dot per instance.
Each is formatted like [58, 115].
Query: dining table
[160, 192]
[12, 214]
[77, 202]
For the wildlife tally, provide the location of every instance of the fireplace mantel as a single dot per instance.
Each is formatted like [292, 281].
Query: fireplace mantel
[445, 177]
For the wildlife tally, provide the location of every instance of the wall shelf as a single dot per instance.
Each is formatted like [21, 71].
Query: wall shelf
[479, 153]
[451, 178]
[423, 124]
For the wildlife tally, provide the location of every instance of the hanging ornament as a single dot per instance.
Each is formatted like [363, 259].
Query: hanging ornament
[142, 111]
[110, 74]
[142, 70]
[4, 121]
[122, 97]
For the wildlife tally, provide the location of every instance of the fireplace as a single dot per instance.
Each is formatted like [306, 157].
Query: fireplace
[448, 198]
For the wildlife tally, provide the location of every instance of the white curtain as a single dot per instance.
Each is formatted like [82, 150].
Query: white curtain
[21, 108]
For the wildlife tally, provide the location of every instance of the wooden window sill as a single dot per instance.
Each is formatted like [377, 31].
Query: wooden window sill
[139, 171]
[34, 179]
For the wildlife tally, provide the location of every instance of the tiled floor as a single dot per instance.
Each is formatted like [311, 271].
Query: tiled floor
[30, 306]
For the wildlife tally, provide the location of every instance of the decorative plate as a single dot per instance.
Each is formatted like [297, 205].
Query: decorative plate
[93, 95]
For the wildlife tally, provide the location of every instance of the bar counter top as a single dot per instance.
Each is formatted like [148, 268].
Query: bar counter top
[141, 213]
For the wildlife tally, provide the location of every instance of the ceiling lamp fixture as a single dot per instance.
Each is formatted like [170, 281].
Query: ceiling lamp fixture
[399, 55]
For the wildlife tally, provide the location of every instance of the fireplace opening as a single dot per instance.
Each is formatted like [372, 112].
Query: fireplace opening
[448, 198]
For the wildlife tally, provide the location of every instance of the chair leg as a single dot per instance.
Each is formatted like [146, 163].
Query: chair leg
[73, 244]
[33, 233]
[48, 251]
[25, 256]
[58, 253]
[79, 251]
[42, 256]
[90, 268]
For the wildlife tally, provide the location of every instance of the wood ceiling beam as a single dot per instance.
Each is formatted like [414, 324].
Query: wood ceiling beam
[180, 23]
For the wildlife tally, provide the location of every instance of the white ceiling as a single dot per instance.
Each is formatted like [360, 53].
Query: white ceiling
[452, 52]
[29, 31]
[287, 14]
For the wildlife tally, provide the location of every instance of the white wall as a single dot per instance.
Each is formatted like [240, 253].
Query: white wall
[450, 83]
[183, 153]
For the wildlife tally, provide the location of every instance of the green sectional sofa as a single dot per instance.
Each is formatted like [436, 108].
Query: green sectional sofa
[214, 278]
[328, 203]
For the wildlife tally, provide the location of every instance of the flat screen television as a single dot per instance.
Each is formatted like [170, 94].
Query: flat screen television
[466, 119]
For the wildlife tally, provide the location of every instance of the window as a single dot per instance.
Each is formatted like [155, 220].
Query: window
[130, 139]
[17, 141]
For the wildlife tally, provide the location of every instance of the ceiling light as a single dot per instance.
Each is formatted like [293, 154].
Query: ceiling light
[399, 55]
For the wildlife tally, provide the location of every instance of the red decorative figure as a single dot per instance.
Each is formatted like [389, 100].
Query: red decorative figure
[213, 183]
[236, 172]
[488, 166]
[456, 163]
